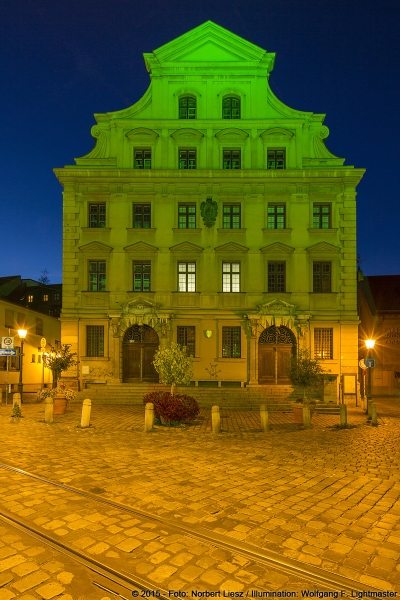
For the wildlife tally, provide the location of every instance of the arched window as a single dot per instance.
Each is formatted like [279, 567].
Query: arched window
[187, 107]
[231, 108]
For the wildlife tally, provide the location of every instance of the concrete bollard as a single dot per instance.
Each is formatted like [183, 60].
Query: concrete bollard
[374, 415]
[17, 399]
[264, 418]
[149, 417]
[215, 420]
[48, 410]
[86, 409]
[343, 414]
[306, 416]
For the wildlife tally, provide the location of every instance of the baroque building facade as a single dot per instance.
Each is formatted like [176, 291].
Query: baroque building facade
[211, 214]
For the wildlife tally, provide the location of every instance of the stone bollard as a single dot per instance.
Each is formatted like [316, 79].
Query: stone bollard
[48, 410]
[343, 414]
[17, 399]
[306, 416]
[86, 409]
[149, 417]
[215, 420]
[374, 415]
[264, 418]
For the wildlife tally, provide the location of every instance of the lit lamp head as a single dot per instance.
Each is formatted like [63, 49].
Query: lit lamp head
[22, 333]
[208, 333]
[370, 344]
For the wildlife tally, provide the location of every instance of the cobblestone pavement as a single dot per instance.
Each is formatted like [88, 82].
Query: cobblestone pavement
[327, 496]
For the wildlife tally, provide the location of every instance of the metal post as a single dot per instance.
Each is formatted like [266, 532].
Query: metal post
[343, 414]
[374, 416]
[20, 384]
[215, 420]
[369, 394]
[264, 418]
[86, 409]
[149, 417]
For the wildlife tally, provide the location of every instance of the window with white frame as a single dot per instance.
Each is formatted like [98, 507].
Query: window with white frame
[231, 277]
[186, 277]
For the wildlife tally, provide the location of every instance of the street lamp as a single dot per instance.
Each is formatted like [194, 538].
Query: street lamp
[22, 335]
[370, 346]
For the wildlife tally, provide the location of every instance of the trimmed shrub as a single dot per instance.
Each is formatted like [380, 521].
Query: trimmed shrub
[173, 409]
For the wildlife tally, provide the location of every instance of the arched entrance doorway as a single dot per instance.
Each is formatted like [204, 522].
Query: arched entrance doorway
[140, 344]
[275, 345]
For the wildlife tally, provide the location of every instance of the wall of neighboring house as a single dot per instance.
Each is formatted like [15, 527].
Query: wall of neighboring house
[38, 326]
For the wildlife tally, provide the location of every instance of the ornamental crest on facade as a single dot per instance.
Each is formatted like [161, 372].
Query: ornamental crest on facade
[209, 212]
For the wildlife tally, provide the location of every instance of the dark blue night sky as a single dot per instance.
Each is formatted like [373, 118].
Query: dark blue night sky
[63, 61]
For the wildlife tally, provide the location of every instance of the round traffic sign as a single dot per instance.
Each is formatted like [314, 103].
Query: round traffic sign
[8, 341]
[43, 343]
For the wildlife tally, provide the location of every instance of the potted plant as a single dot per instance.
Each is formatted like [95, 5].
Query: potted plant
[306, 373]
[61, 398]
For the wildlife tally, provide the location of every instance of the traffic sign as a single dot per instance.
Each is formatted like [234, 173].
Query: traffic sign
[369, 362]
[7, 342]
[43, 343]
[7, 352]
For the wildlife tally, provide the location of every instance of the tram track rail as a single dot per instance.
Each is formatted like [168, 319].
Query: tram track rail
[286, 565]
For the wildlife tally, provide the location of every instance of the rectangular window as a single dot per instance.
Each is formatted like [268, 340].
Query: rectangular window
[321, 277]
[45, 297]
[97, 276]
[187, 277]
[231, 216]
[187, 216]
[30, 297]
[276, 216]
[141, 276]
[231, 338]
[97, 215]
[231, 159]
[186, 337]
[142, 159]
[39, 327]
[56, 296]
[94, 340]
[230, 277]
[321, 216]
[323, 342]
[33, 358]
[9, 319]
[142, 216]
[187, 159]
[276, 276]
[39, 358]
[276, 159]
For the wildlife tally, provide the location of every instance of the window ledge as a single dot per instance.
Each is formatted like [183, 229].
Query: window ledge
[93, 292]
[232, 293]
[187, 293]
[326, 293]
[96, 229]
[187, 229]
[286, 230]
[316, 230]
[140, 229]
[234, 360]
[225, 230]
[130, 292]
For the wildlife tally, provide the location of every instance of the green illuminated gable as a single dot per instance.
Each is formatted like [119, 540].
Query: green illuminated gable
[210, 64]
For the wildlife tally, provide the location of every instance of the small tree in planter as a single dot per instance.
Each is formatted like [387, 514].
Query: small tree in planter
[173, 365]
[59, 360]
[305, 372]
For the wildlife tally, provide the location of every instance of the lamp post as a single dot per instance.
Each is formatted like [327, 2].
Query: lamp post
[370, 346]
[22, 335]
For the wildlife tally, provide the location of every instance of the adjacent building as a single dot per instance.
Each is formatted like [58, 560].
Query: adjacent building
[211, 214]
[35, 295]
[379, 310]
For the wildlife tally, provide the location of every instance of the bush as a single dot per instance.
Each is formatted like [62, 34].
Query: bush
[50, 393]
[177, 408]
